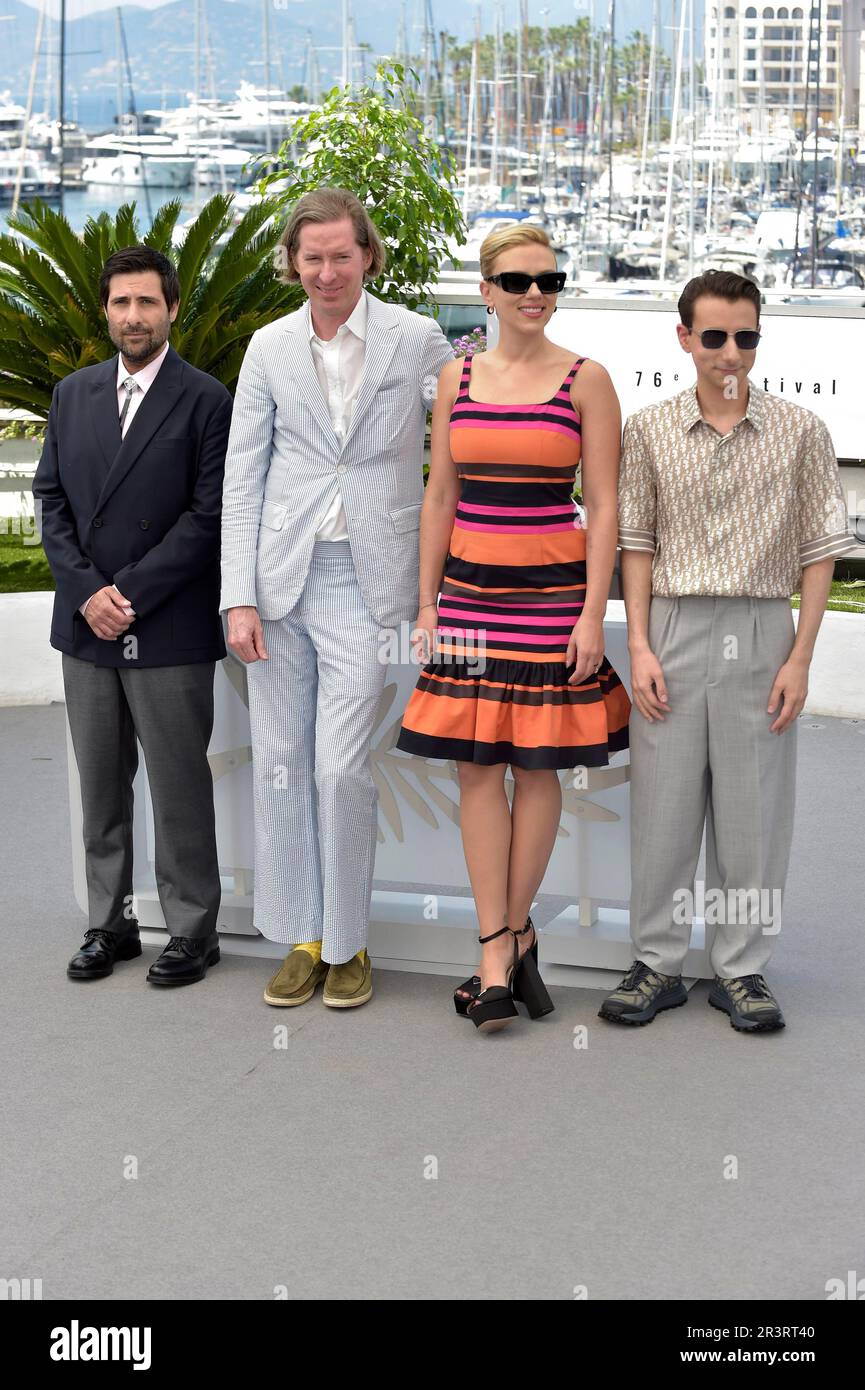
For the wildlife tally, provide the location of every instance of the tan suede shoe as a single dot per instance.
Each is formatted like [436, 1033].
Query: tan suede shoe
[350, 984]
[296, 980]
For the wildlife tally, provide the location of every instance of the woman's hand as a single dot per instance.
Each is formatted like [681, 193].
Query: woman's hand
[422, 639]
[586, 648]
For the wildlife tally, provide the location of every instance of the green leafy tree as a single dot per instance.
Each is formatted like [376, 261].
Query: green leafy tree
[370, 141]
[51, 320]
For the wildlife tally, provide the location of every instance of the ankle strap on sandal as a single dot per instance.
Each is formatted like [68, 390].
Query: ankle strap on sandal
[501, 932]
[521, 931]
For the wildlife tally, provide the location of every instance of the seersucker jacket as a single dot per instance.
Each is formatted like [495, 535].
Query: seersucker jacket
[283, 453]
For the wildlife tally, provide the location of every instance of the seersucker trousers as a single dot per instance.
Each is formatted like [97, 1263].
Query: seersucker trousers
[313, 706]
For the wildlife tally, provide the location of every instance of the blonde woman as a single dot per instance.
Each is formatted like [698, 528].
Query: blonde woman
[508, 573]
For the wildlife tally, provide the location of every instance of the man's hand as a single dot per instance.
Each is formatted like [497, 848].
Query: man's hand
[791, 686]
[109, 613]
[648, 685]
[246, 635]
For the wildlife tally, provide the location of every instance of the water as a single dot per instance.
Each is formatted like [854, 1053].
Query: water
[81, 203]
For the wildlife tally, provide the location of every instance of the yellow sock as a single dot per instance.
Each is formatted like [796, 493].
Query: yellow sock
[312, 947]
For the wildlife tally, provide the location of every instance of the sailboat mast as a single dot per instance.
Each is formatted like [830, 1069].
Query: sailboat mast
[266, 39]
[819, 9]
[61, 99]
[611, 70]
[693, 118]
[37, 48]
[674, 125]
[647, 114]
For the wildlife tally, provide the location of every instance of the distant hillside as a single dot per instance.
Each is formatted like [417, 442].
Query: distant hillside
[160, 43]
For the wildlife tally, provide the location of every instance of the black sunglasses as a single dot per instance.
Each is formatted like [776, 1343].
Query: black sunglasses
[746, 339]
[517, 282]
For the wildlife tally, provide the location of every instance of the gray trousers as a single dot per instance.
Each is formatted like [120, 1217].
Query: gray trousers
[169, 710]
[712, 761]
[312, 708]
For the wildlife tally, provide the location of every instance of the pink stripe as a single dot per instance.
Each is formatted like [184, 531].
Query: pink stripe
[531, 637]
[515, 530]
[513, 511]
[550, 425]
[563, 622]
[465, 406]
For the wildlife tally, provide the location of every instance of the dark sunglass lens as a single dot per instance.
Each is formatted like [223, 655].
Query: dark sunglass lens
[747, 339]
[552, 283]
[713, 338]
[515, 282]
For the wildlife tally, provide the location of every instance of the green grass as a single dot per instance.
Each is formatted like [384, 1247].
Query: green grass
[845, 596]
[23, 568]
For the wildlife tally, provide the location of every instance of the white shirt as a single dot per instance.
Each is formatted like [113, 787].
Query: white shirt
[339, 365]
[143, 379]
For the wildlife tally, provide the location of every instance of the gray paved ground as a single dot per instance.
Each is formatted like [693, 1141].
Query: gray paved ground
[305, 1166]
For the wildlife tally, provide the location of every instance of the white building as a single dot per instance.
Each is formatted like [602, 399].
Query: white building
[757, 56]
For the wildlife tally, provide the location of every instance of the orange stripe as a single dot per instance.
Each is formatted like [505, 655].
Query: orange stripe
[490, 721]
[501, 654]
[562, 547]
[485, 589]
[547, 448]
[492, 478]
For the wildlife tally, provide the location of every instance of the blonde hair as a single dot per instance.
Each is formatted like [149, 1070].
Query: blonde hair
[497, 242]
[331, 205]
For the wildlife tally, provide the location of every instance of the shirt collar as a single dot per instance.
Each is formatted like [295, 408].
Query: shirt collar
[690, 413]
[146, 377]
[355, 323]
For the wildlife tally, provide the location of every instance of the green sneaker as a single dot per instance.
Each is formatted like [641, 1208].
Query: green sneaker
[296, 980]
[750, 1003]
[642, 994]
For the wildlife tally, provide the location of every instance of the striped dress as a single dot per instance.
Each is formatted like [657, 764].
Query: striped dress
[514, 582]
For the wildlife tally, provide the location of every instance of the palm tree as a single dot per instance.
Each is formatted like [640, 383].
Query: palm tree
[51, 320]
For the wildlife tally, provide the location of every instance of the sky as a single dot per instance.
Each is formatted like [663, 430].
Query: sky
[631, 12]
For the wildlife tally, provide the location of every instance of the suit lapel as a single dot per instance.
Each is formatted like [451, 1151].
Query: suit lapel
[159, 401]
[104, 411]
[382, 337]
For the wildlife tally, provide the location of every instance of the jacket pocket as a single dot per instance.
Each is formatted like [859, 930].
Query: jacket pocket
[406, 518]
[273, 515]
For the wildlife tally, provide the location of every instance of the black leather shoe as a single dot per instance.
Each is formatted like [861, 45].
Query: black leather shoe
[101, 949]
[184, 960]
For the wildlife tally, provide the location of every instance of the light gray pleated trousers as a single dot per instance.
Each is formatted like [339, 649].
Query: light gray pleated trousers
[712, 761]
[312, 709]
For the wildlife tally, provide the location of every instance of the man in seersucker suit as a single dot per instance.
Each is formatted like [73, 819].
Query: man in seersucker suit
[321, 510]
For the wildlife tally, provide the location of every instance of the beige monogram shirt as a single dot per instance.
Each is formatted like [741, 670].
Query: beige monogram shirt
[738, 514]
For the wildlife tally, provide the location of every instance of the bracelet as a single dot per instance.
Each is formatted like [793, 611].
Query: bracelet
[427, 605]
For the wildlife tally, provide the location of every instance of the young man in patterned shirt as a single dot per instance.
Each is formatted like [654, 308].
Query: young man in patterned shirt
[729, 501]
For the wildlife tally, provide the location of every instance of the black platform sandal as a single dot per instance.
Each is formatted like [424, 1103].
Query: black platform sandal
[494, 1007]
[528, 987]
[472, 986]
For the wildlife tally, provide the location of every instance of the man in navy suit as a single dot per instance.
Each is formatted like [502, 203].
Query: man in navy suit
[128, 496]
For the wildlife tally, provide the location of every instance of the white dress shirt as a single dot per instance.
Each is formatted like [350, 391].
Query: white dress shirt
[143, 379]
[339, 365]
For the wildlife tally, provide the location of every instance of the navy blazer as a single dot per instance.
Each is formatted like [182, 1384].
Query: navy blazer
[142, 513]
